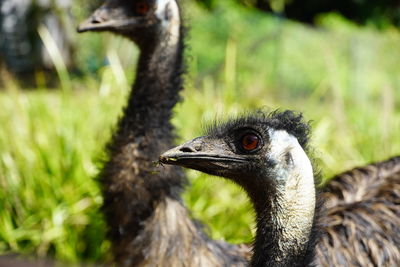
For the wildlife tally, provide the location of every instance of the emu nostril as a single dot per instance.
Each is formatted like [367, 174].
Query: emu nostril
[187, 149]
[96, 20]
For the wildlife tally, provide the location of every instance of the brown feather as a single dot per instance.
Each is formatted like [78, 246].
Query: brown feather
[362, 221]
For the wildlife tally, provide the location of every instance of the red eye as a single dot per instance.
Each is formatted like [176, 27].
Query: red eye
[250, 142]
[141, 8]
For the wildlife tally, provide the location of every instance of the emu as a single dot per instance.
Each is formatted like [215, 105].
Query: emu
[268, 155]
[148, 224]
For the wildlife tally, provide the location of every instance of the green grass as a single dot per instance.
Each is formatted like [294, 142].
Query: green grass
[343, 77]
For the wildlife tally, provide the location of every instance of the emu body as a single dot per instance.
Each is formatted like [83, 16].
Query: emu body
[361, 222]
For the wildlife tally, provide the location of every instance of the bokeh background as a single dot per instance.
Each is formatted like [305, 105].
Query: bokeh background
[341, 69]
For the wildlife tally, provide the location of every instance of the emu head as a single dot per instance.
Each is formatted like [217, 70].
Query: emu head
[136, 19]
[263, 153]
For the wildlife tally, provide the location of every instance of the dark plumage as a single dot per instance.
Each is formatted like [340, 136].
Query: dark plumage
[266, 155]
[287, 120]
[148, 224]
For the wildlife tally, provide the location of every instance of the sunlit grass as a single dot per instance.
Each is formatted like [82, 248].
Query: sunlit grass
[345, 79]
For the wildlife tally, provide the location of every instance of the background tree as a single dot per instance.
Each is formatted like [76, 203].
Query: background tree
[365, 11]
[32, 31]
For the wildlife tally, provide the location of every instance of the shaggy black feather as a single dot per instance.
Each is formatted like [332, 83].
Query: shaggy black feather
[288, 120]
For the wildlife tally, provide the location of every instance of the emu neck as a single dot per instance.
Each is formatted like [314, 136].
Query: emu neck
[158, 82]
[132, 185]
[285, 218]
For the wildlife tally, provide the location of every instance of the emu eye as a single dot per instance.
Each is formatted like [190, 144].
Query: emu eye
[141, 8]
[250, 142]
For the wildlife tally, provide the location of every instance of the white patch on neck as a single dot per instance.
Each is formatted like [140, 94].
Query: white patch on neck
[296, 190]
[170, 23]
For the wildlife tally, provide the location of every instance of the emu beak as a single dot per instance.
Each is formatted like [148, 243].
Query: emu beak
[112, 15]
[203, 154]
[99, 20]
[88, 25]
[188, 152]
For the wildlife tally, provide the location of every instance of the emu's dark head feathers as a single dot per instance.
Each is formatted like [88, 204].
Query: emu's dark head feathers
[290, 121]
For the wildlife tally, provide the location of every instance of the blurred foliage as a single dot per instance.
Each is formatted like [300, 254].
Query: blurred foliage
[378, 12]
[344, 77]
[22, 49]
